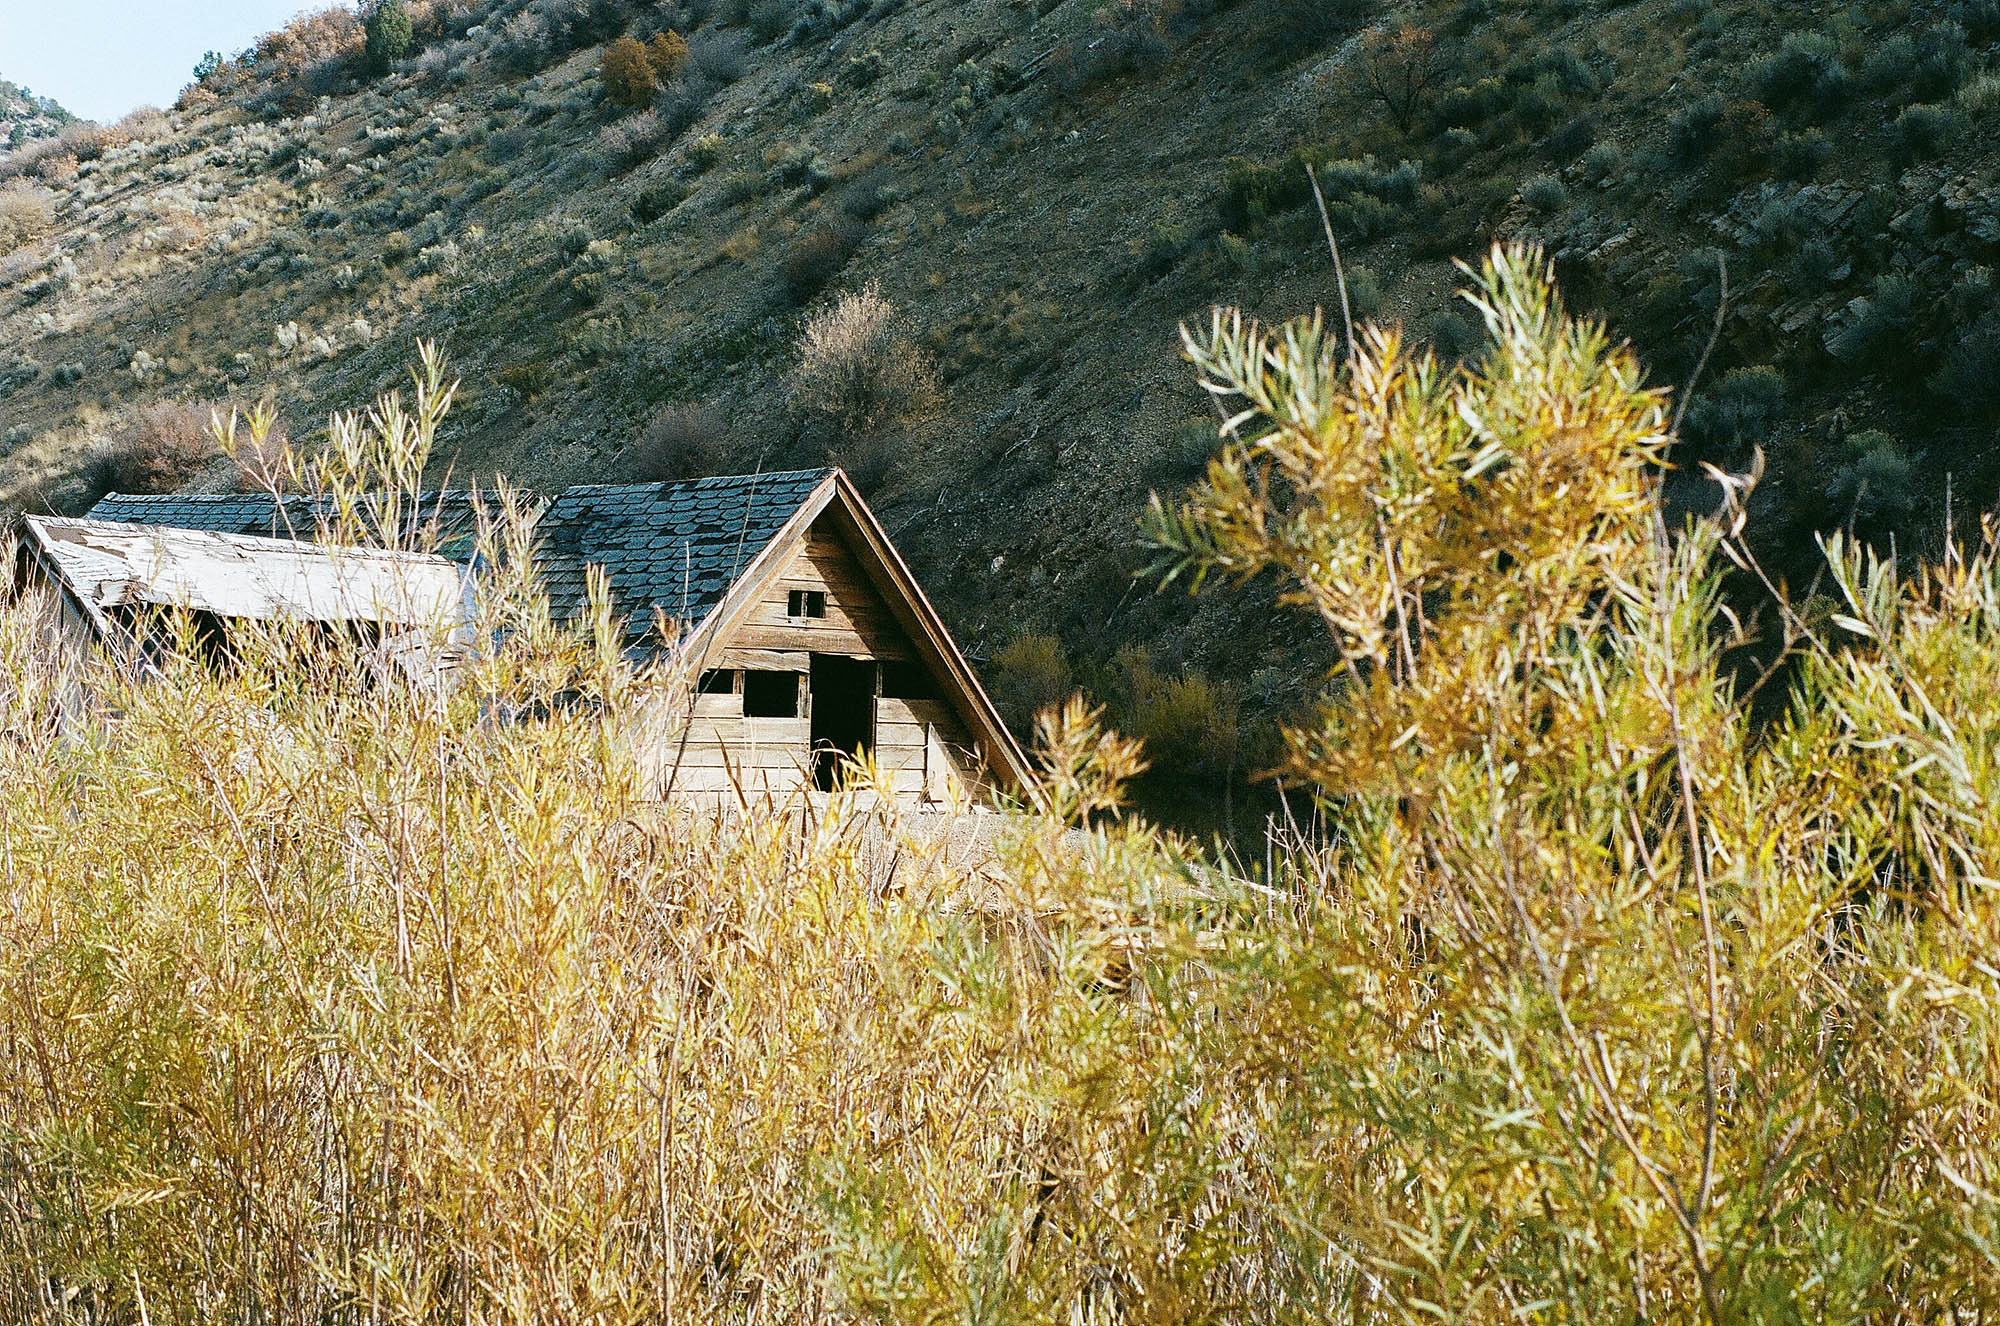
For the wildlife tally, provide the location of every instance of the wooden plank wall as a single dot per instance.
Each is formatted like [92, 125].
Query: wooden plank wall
[920, 744]
[857, 622]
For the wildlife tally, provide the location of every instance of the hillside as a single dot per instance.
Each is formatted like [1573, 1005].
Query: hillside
[1043, 191]
[25, 117]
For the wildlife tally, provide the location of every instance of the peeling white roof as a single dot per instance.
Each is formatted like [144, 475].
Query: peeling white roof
[108, 564]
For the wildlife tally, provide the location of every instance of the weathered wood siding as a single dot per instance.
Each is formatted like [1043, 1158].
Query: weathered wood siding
[920, 744]
[857, 622]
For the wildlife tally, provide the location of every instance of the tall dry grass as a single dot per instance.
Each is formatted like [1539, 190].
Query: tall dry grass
[329, 999]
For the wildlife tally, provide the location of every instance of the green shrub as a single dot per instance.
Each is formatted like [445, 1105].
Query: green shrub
[1879, 327]
[633, 141]
[1030, 674]
[1979, 18]
[772, 19]
[1190, 723]
[1124, 41]
[1545, 194]
[1739, 412]
[717, 57]
[1922, 133]
[1799, 156]
[388, 35]
[656, 200]
[1363, 199]
[1192, 442]
[818, 255]
[1817, 264]
[1602, 163]
[1300, 27]
[1692, 130]
[528, 379]
[1875, 485]
[706, 151]
[1968, 382]
[1805, 75]
[1979, 99]
[1454, 336]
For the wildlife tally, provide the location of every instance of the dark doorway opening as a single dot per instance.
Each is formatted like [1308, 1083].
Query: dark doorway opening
[843, 714]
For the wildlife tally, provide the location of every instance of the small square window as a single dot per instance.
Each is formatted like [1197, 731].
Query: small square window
[806, 603]
[770, 694]
[718, 681]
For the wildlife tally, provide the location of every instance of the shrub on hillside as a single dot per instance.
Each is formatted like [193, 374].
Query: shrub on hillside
[83, 140]
[1364, 199]
[680, 442]
[1922, 133]
[1875, 485]
[718, 56]
[55, 168]
[771, 19]
[25, 212]
[1693, 129]
[1877, 331]
[657, 199]
[388, 35]
[1300, 27]
[1030, 674]
[1602, 164]
[633, 141]
[1799, 156]
[818, 255]
[682, 101]
[1968, 382]
[1125, 39]
[667, 53]
[161, 447]
[1979, 18]
[1805, 76]
[1545, 194]
[859, 368]
[1739, 412]
[625, 73]
[1924, 66]
[1190, 722]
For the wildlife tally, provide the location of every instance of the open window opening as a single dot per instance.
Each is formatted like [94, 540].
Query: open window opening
[718, 681]
[806, 603]
[768, 694]
[843, 715]
[905, 679]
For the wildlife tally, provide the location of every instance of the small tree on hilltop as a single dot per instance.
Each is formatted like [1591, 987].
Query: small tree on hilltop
[389, 35]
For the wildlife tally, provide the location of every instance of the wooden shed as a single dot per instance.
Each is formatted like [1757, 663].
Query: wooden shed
[809, 641]
[109, 582]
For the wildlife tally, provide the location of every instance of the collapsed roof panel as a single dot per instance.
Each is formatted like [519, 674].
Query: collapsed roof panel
[106, 564]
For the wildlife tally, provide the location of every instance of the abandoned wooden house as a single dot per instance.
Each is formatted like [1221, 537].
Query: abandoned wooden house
[809, 640]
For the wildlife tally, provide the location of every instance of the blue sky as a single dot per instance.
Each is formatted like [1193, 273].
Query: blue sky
[102, 58]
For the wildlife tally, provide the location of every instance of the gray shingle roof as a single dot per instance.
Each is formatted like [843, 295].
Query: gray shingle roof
[451, 516]
[674, 547]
